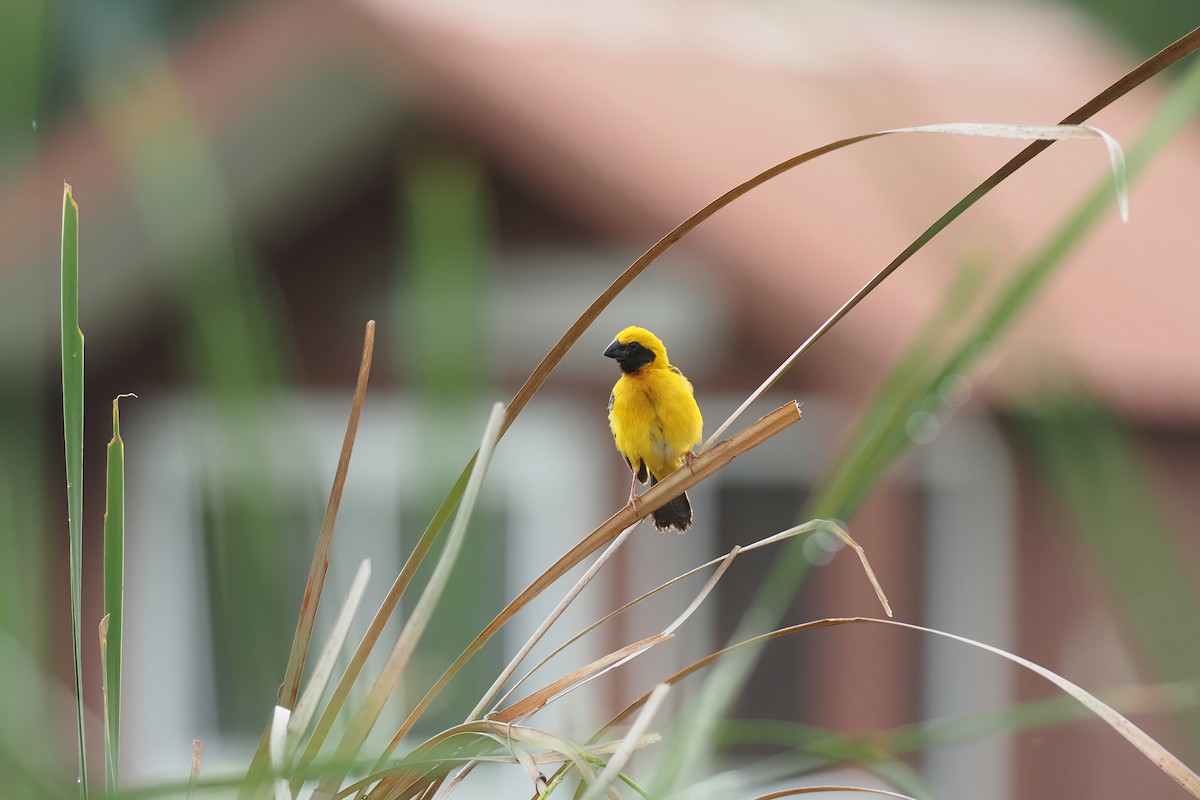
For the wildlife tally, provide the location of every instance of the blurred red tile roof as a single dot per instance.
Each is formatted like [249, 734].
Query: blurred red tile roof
[635, 114]
[639, 113]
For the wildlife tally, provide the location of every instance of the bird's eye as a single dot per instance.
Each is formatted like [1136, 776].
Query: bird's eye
[634, 347]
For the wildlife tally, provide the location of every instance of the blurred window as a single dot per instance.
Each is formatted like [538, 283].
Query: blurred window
[218, 554]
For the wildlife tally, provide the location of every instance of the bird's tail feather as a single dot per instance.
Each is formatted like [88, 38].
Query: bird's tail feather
[675, 514]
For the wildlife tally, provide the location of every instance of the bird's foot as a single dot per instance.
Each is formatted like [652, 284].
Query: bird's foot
[633, 503]
[688, 458]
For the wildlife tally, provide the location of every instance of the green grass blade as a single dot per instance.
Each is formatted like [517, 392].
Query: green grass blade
[924, 392]
[1100, 479]
[114, 601]
[389, 677]
[72, 392]
[849, 479]
[809, 749]
[359, 659]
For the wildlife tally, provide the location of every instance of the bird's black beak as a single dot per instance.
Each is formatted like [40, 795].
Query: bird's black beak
[615, 350]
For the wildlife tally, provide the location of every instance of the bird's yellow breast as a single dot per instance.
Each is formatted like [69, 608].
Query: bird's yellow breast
[655, 419]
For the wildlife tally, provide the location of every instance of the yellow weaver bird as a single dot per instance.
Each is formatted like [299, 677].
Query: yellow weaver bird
[654, 418]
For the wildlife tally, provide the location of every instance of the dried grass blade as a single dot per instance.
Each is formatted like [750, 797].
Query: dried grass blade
[1158, 755]
[320, 561]
[307, 705]
[725, 561]
[782, 535]
[393, 668]
[708, 463]
[553, 617]
[522, 757]
[824, 789]
[842, 534]
[667, 632]
[565, 684]
[407, 779]
[709, 585]
[276, 750]
[375, 629]
[547, 693]
[593, 751]
[415, 769]
[460, 777]
[615, 764]
[1043, 136]
[1116, 156]
[316, 581]
[574, 754]
[194, 778]
[416, 772]
[699, 664]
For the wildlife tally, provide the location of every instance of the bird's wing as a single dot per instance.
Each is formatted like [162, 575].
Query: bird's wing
[686, 382]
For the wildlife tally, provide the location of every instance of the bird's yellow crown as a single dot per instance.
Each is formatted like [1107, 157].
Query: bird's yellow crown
[647, 340]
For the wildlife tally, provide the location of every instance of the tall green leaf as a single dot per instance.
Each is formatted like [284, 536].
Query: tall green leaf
[114, 600]
[72, 392]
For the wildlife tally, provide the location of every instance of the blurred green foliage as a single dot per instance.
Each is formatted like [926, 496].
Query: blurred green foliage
[1146, 30]
[1123, 524]
[441, 284]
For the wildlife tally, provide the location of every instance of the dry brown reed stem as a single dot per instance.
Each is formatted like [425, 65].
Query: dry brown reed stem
[422, 770]
[288, 690]
[705, 465]
[320, 561]
[552, 618]
[357, 661]
[1155, 752]
[723, 564]
[195, 775]
[523, 709]
[544, 695]
[469, 762]
[700, 664]
[825, 789]
[365, 717]
[621, 757]
[847, 540]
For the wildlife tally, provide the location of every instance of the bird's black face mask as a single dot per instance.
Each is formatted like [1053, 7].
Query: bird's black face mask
[630, 357]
